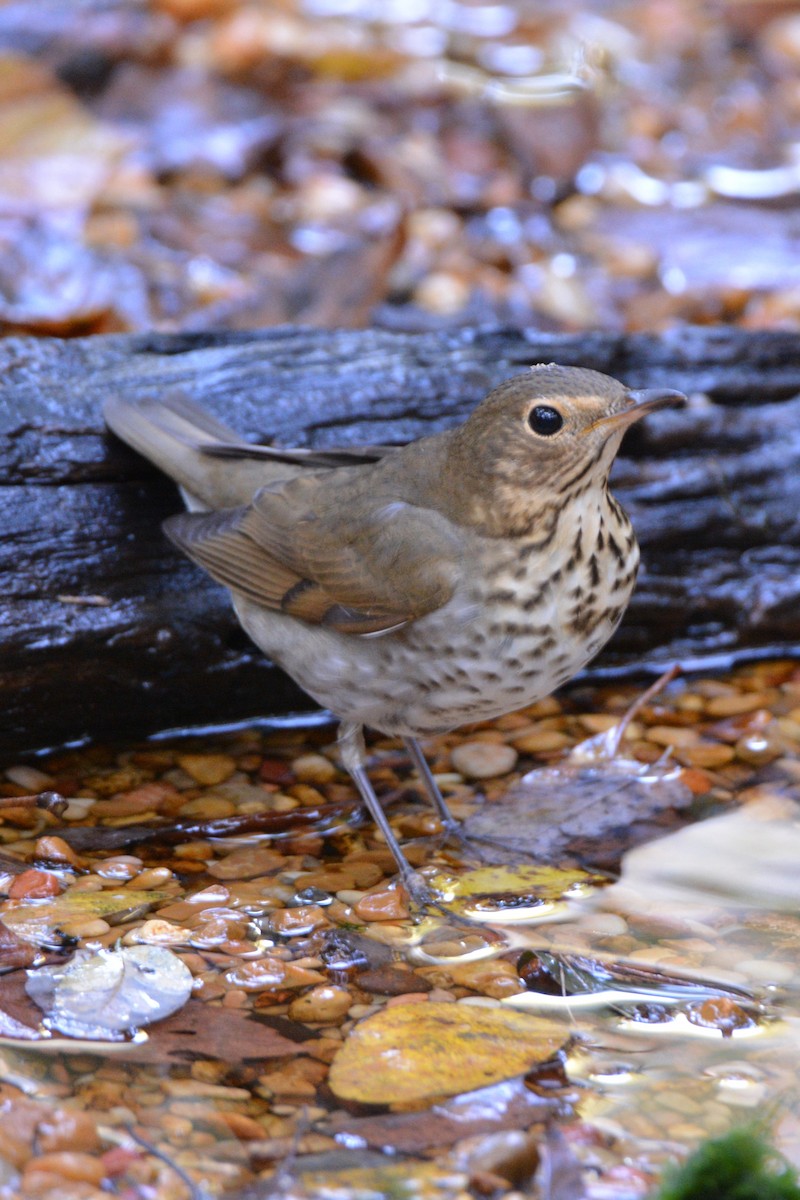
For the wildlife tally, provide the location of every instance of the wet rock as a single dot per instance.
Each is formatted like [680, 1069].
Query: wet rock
[483, 760]
[392, 981]
[325, 1003]
[207, 769]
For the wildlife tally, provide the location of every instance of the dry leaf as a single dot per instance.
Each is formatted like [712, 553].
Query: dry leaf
[422, 1051]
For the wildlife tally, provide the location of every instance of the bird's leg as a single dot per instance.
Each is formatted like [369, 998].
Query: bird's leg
[431, 786]
[353, 754]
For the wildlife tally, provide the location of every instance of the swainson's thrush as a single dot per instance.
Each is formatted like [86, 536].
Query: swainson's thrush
[415, 589]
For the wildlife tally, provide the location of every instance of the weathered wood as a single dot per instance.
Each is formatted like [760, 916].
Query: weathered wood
[714, 491]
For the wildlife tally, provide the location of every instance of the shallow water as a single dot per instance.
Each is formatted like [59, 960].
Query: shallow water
[673, 994]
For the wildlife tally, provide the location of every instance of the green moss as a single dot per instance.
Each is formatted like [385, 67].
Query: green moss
[739, 1166]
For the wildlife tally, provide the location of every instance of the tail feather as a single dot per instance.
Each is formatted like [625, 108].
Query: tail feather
[179, 438]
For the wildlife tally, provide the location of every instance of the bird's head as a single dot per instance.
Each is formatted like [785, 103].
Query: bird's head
[545, 437]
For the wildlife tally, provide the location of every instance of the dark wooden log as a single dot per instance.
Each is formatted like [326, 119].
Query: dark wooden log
[714, 491]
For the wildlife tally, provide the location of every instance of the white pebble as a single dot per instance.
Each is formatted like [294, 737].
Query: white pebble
[483, 760]
[29, 777]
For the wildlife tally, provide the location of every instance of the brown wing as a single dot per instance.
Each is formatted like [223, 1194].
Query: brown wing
[325, 554]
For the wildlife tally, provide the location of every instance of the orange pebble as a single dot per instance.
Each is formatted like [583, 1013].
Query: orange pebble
[407, 998]
[66, 1164]
[383, 904]
[34, 885]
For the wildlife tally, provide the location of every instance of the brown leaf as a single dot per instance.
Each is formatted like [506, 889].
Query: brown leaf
[201, 1030]
[506, 1105]
[13, 952]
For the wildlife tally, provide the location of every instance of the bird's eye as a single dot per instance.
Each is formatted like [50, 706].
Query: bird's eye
[545, 420]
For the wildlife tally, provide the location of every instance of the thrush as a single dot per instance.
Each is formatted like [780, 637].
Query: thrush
[415, 589]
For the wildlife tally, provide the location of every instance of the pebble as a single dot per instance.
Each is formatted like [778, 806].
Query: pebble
[342, 876]
[67, 1129]
[270, 973]
[739, 702]
[34, 885]
[496, 978]
[121, 869]
[30, 778]
[323, 1004]
[307, 795]
[71, 1166]
[208, 808]
[78, 808]
[314, 768]
[483, 760]
[541, 741]
[387, 904]
[207, 769]
[767, 971]
[157, 932]
[246, 863]
[151, 878]
[291, 922]
[55, 849]
[85, 927]
[672, 735]
[392, 981]
[710, 755]
[150, 797]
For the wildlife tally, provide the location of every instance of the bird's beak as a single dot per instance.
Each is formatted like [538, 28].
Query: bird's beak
[645, 401]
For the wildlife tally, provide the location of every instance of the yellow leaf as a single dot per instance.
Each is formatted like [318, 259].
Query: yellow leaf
[545, 883]
[37, 921]
[507, 887]
[423, 1051]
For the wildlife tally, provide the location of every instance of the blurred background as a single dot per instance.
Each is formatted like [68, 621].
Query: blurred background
[198, 164]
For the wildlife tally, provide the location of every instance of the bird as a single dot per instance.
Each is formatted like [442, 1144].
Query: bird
[414, 589]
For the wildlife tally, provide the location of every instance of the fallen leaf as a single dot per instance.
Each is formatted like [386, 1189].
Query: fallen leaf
[105, 993]
[422, 1051]
[506, 1105]
[502, 887]
[13, 951]
[202, 1030]
[39, 922]
[553, 809]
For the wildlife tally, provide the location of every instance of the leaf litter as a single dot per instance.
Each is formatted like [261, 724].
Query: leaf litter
[313, 999]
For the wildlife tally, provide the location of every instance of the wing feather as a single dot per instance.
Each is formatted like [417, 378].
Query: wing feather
[296, 549]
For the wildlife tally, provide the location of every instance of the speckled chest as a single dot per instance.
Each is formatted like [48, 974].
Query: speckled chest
[526, 617]
[522, 625]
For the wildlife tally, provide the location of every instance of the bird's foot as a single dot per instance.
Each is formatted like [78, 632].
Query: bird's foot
[423, 901]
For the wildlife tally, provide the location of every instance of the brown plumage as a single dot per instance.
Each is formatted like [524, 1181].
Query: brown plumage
[418, 588]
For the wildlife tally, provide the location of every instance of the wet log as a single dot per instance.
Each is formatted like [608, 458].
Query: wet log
[105, 629]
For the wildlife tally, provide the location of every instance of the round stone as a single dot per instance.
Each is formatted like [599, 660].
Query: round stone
[483, 760]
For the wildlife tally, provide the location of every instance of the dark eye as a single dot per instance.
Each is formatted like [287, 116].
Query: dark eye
[545, 420]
